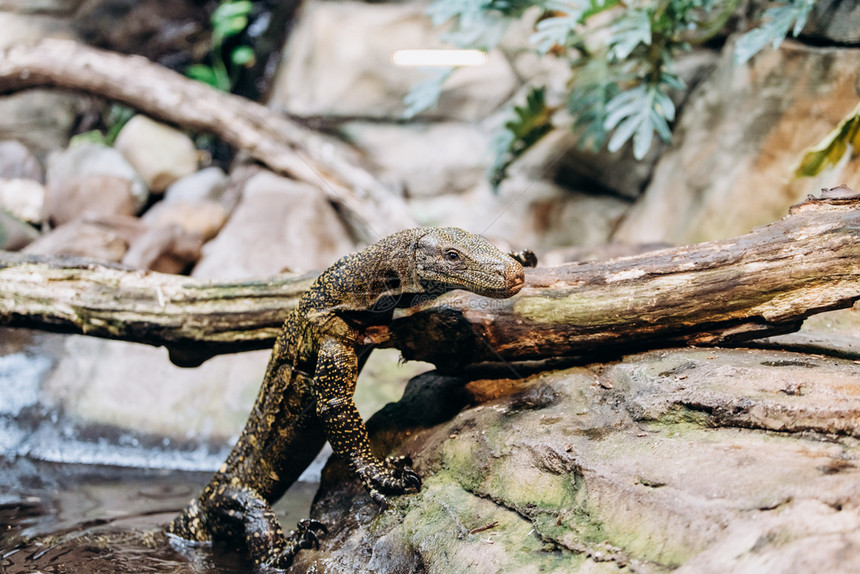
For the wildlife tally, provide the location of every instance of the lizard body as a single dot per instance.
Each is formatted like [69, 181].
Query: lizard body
[306, 395]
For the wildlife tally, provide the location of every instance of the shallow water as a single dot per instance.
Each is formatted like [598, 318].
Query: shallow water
[58, 518]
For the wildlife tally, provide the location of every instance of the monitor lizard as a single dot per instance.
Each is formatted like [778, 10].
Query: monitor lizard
[306, 396]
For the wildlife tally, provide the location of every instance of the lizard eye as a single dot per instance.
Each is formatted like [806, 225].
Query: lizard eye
[452, 255]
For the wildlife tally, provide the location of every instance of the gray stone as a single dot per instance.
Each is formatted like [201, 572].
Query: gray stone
[279, 224]
[527, 213]
[208, 183]
[75, 197]
[136, 387]
[203, 218]
[738, 144]
[86, 159]
[58, 7]
[356, 75]
[170, 32]
[14, 233]
[429, 159]
[22, 26]
[692, 460]
[166, 249]
[40, 119]
[17, 162]
[88, 239]
[159, 153]
[836, 21]
[23, 198]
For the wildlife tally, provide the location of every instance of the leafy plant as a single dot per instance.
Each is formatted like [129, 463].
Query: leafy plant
[113, 120]
[622, 55]
[777, 20]
[833, 147]
[229, 20]
[531, 122]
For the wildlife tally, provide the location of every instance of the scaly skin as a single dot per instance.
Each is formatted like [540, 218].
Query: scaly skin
[306, 395]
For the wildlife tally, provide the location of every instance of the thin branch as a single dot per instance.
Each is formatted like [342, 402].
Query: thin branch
[372, 208]
[760, 284]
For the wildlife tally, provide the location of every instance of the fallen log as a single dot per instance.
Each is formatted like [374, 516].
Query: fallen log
[371, 208]
[723, 292]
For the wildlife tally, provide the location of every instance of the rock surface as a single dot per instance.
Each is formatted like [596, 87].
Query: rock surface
[738, 142]
[204, 217]
[537, 215]
[14, 233]
[159, 153]
[88, 196]
[86, 159]
[356, 75]
[689, 460]
[208, 183]
[88, 239]
[23, 198]
[276, 225]
[428, 160]
[18, 162]
[40, 119]
[166, 249]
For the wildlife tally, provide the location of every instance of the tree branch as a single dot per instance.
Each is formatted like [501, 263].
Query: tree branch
[760, 284]
[371, 208]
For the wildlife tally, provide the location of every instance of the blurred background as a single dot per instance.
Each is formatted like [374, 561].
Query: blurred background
[513, 144]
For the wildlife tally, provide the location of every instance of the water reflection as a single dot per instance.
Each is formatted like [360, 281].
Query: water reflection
[92, 519]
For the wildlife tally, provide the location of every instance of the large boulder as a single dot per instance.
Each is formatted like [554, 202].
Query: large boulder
[18, 162]
[276, 226]
[739, 141]
[426, 159]
[533, 214]
[356, 76]
[73, 198]
[14, 233]
[23, 198]
[159, 153]
[208, 183]
[690, 460]
[87, 159]
[82, 238]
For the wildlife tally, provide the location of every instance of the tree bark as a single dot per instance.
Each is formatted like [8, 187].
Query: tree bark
[760, 284]
[371, 208]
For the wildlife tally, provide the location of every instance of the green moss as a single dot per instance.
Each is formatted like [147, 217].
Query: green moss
[457, 531]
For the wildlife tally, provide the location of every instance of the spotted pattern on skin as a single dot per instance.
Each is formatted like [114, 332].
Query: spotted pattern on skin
[307, 393]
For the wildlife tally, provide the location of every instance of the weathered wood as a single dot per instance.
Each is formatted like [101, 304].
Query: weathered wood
[195, 320]
[760, 284]
[371, 207]
[717, 293]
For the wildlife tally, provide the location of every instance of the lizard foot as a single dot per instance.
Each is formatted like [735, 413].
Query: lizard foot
[393, 475]
[302, 538]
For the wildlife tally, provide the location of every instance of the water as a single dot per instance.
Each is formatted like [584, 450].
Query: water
[83, 498]
[58, 518]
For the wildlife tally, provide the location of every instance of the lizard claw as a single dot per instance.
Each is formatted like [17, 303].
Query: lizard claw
[391, 476]
[305, 535]
[411, 479]
[380, 498]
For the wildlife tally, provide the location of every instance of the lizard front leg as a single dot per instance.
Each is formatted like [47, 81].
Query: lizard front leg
[333, 386]
[234, 512]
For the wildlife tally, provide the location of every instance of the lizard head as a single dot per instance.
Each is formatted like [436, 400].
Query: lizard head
[449, 258]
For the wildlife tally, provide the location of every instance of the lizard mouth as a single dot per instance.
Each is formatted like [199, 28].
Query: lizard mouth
[510, 285]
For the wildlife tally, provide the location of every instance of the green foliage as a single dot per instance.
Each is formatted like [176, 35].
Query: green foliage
[621, 53]
[115, 118]
[776, 23]
[531, 122]
[426, 94]
[833, 147]
[229, 20]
